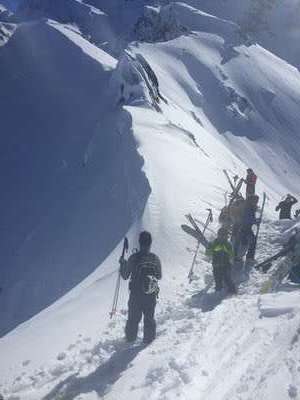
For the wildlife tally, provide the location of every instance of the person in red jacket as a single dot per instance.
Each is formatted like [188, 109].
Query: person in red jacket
[250, 182]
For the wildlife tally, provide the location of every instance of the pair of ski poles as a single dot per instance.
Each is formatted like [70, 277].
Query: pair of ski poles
[118, 283]
[209, 219]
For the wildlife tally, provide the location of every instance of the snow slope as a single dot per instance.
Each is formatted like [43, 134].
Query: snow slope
[224, 104]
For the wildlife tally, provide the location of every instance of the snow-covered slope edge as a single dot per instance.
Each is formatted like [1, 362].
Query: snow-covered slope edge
[70, 161]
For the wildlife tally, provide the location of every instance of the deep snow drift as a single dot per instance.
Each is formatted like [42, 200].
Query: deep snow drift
[102, 151]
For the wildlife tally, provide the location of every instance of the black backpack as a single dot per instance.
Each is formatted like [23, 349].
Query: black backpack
[144, 279]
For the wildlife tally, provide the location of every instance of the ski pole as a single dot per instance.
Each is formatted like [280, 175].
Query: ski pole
[226, 199]
[208, 220]
[228, 179]
[118, 283]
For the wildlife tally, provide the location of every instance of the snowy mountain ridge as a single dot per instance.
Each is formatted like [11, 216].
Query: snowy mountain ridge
[112, 142]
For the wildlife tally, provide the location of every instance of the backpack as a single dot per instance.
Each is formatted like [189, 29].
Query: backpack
[144, 279]
[236, 211]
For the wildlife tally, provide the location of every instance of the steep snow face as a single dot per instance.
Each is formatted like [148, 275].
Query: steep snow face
[107, 24]
[234, 89]
[274, 24]
[94, 24]
[67, 157]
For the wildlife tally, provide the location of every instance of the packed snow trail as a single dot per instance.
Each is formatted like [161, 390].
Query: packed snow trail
[244, 346]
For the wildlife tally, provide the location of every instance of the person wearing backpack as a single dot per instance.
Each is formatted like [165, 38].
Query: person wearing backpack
[222, 254]
[144, 270]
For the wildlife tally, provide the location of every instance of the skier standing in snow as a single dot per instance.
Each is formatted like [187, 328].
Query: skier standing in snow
[144, 269]
[285, 207]
[246, 235]
[222, 253]
[250, 181]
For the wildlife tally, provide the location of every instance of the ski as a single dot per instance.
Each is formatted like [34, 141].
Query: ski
[275, 279]
[229, 180]
[234, 187]
[195, 234]
[265, 265]
[200, 235]
[209, 219]
[259, 224]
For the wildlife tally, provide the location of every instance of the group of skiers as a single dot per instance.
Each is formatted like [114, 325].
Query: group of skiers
[235, 239]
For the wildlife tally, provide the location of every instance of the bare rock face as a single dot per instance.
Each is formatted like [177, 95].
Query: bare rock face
[159, 24]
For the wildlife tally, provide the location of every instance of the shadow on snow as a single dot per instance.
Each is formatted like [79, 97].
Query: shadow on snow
[99, 380]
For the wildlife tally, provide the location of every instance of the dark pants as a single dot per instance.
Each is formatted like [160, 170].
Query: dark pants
[138, 305]
[247, 241]
[250, 190]
[222, 275]
[294, 274]
[235, 238]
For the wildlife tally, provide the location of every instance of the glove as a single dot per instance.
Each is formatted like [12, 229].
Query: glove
[122, 261]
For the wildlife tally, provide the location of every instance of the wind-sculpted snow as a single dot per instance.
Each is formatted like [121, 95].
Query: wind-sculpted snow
[96, 148]
[73, 183]
[94, 24]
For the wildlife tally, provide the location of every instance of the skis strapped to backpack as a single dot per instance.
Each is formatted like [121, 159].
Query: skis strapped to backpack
[235, 188]
[259, 224]
[202, 240]
[200, 236]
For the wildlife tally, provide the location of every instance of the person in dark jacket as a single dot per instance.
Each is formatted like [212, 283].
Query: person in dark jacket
[222, 253]
[250, 181]
[247, 236]
[285, 207]
[144, 270]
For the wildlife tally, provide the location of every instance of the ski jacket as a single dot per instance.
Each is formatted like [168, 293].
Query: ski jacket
[285, 207]
[250, 184]
[237, 211]
[138, 266]
[221, 253]
[251, 179]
